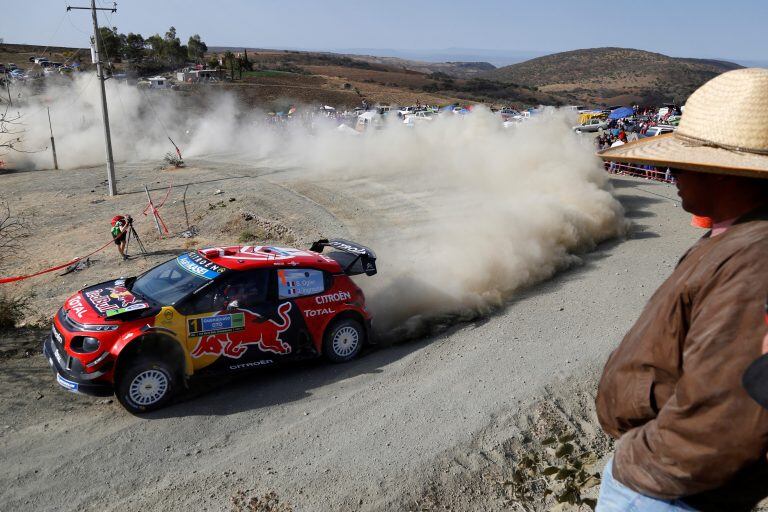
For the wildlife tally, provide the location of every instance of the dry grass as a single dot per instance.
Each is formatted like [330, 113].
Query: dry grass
[244, 501]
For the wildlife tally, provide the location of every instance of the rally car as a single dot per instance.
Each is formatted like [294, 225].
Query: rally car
[210, 311]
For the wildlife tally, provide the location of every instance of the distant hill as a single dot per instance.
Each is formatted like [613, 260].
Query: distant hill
[613, 75]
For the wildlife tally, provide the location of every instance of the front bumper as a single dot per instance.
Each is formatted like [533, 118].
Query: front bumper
[72, 379]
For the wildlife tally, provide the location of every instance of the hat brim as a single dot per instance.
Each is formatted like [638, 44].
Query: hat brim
[670, 151]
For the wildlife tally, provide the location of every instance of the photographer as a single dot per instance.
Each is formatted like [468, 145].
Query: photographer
[120, 225]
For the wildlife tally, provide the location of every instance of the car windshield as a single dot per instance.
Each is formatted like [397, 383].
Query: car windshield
[170, 282]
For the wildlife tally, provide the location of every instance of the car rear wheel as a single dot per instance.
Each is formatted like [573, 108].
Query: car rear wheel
[146, 385]
[343, 340]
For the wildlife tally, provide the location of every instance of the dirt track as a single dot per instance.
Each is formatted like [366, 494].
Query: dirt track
[360, 436]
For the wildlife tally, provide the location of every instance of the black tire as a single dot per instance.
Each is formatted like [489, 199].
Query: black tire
[343, 340]
[146, 385]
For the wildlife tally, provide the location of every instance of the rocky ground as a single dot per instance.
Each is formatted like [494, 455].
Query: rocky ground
[441, 422]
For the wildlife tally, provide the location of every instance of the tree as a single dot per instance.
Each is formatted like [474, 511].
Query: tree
[243, 65]
[174, 53]
[110, 44]
[9, 131]
[134, 48]
[156, 45]
[229, 58]
[196, 48]
[12, 227]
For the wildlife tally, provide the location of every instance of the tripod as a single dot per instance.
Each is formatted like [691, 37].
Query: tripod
[132, 232]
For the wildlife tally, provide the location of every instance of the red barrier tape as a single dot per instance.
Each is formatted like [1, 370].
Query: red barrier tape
[168, 193]
[4, 280]
[150, 206]
[154, 209]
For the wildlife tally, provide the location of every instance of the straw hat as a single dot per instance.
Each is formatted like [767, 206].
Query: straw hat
[724, 130]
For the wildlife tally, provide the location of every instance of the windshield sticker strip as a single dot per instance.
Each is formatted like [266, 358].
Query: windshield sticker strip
[132, 307]
[196, 264]
[217, 324]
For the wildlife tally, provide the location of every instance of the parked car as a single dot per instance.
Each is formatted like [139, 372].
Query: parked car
[591, 125]
[404, 111]
[211, 311]
[661, 129]
[418, 117]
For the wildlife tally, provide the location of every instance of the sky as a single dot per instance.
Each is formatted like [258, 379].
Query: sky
[726, 29]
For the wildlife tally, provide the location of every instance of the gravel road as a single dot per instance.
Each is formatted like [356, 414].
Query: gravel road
[356, 436]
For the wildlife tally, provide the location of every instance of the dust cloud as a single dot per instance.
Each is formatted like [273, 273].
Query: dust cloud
[469, 212]
[461, 211]
[141, 122]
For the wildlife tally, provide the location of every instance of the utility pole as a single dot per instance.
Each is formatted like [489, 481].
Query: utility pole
[100, 74]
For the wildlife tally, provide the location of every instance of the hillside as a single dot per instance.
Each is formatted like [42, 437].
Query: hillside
[280, 77]
[613, 75]
[453, 69]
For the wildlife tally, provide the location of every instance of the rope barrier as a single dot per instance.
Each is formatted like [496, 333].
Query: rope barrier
[5, 280]
[150, 207]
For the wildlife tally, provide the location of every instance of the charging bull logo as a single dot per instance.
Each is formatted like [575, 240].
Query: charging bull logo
[122, 294]
[235, 342]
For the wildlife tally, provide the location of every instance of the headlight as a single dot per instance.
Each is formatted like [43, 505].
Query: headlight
[84, 344]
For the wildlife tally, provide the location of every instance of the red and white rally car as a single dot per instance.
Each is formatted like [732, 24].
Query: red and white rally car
[214, 310]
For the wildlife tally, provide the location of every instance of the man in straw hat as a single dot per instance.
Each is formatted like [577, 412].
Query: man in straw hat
[688, 435]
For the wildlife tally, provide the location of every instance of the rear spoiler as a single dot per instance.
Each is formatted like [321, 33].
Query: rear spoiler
[354, 258]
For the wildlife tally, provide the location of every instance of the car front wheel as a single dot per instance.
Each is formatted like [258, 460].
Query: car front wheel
[146, 385]
[343, 340]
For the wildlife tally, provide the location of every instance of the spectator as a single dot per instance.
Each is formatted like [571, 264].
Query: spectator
[688, 435]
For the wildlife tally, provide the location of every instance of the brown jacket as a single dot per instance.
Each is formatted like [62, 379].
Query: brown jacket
[671, 392]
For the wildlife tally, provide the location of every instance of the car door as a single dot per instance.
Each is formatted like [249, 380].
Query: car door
[302, 288]
[234, 324]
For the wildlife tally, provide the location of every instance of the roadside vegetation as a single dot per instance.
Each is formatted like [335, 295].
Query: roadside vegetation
[152, 54]
[12, 230]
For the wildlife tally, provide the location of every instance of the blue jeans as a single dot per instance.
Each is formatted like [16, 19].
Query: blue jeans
[616, 497]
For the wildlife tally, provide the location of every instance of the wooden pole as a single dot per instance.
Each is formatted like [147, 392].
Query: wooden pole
[53, 142]
[154, 214]
[184, 204]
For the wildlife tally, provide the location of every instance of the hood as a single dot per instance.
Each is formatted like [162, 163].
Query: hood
[105, 300]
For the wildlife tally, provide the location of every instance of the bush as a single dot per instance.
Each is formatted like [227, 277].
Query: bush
[246, 236]
[11, 311]
[173, 159]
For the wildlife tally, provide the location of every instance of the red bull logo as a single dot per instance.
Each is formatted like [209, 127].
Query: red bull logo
[265, 335]
[122, 294]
